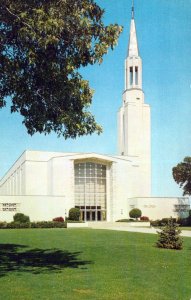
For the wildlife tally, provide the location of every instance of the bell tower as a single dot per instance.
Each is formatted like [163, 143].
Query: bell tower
[134, 114]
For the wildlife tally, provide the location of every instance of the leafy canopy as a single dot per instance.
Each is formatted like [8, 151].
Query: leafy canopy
[182, 175]
[43, 45]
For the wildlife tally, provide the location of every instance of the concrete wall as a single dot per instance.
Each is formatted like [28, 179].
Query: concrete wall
[38, 208]
[14, 180]
[33, 172]
[160, 207]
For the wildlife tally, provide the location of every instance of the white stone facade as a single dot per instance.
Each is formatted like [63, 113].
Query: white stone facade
[42, 184]
[45, 185]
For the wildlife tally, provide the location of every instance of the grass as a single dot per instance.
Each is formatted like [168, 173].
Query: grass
[91, 264]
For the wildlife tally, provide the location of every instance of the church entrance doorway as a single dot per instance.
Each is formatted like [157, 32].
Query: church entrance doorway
[92, 215]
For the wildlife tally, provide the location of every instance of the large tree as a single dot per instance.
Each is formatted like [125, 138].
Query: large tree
[43, 46]
[182, 175]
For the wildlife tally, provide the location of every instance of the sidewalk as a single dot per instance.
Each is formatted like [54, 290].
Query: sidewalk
[125, 227]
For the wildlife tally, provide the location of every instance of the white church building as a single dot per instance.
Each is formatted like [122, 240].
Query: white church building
[45, 185]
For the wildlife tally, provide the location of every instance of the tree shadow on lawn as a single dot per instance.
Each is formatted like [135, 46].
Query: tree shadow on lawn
[37, 261]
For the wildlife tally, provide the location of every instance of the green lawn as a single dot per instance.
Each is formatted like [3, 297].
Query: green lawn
[91, 264]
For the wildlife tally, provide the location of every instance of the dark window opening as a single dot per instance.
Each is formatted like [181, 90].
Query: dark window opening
[131, 75]
[136, 75]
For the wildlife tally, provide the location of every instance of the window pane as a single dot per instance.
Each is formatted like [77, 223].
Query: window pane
[90, 184]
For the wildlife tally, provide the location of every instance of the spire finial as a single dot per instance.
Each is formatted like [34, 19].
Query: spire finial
[132, 10]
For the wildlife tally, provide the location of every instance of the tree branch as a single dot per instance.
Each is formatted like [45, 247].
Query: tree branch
[16, 16]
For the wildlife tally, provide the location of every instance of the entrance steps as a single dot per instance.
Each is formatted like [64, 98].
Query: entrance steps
[100, 224]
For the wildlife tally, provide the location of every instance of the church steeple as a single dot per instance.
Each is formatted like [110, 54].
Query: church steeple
[134, 114]
[133, 63]
[133, 44]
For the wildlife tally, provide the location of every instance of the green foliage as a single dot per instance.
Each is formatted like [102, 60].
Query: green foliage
[169, 236]
[126, 220]
[74, 214]
[182, 175]
[14, 225]
[135, 213]
[48, 224]
[42, 224]
[189, 218]
[43, 46]
[3, 225]
[72, 221]
[185, 221]
[162, 222]
[165, 221]
[155, 223]
[21, 218]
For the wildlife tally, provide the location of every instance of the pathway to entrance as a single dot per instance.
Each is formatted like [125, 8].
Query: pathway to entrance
[125, 227]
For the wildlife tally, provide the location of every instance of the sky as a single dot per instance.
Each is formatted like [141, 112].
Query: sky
[164, 38]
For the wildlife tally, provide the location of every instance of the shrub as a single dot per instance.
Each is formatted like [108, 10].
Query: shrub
[58, 219]
[183, 222]
[48, 224]
[155, 223]
[21, 218]
[135, 213]
[126, 220]
[189, 218]
[144, 218]
[3, 225]
[169, 236]
[24, 225]
[72, 221]
[12, 225]
[42, 224]
[17, 225]
[74, 214]
[165, 221]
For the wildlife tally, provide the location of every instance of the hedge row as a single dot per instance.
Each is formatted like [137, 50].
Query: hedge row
[126, 220]
[164, 221]
[142, 219]
[42, 224]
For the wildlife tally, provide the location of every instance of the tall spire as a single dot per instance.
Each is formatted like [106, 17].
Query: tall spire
[133, 63]
[133, 45]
